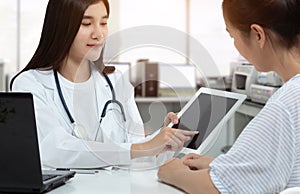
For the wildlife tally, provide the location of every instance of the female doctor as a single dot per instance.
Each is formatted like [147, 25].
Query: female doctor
[86, 116]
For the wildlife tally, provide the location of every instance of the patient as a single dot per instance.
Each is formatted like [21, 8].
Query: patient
[266, 156]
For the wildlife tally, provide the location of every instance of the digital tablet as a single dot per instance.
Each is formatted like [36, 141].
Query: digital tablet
[207, 112]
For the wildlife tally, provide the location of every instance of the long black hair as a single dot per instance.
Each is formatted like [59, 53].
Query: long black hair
[61, 24]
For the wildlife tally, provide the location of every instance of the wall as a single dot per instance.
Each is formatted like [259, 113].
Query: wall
[200, 23]
[206, 26]
[29, 15]
[136, 13]
[8, 33]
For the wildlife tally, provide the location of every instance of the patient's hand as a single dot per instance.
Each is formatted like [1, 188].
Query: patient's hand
[197, 162]
[171, 171]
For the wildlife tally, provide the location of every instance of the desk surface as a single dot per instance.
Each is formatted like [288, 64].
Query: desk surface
[116, 181]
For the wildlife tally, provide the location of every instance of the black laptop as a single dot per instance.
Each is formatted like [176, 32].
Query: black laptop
[20, 167]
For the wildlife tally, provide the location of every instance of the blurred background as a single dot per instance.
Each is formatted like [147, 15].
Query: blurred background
[193, 50]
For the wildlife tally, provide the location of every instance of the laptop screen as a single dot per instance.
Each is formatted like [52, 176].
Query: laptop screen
[20, 167]
[18, 141]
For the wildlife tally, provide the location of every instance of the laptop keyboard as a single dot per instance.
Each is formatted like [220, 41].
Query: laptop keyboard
[47, 177]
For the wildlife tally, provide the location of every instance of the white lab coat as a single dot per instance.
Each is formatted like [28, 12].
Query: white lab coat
[58, 147]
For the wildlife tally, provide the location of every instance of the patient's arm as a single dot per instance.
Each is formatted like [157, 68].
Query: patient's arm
[179, 175]
[197, 162]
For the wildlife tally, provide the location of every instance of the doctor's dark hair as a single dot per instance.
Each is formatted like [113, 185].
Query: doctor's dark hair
[61, 24]
[279, 16]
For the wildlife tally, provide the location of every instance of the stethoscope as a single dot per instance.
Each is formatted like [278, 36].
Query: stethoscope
[78, 130]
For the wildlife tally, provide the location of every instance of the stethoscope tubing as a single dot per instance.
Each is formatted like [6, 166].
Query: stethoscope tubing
[113, 100]
[62, 99]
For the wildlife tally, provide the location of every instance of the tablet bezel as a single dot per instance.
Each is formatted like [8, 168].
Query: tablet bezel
[209, 141]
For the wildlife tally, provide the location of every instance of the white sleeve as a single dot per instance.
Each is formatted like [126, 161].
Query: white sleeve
[125, 94]
[135, 126]
[58, 148]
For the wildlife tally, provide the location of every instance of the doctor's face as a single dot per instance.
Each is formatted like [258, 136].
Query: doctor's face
[91, 35]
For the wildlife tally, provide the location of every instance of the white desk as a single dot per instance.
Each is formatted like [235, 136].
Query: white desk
[116, 181]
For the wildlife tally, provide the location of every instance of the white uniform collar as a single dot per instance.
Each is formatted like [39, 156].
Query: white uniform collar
[46, 77]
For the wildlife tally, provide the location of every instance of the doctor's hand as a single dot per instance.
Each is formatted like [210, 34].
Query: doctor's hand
[167, 139]
[197, 162]
[170, 139]
[171, 117]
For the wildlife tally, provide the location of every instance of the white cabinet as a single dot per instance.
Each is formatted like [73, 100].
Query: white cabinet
[247, 111]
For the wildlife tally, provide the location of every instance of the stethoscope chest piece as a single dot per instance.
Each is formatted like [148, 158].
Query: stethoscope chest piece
[79, 131]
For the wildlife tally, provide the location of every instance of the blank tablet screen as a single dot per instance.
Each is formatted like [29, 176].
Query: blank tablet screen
[204, 114]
